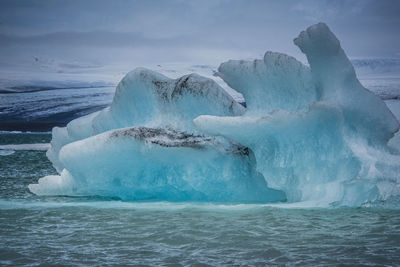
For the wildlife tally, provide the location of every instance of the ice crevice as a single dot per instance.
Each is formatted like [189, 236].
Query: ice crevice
[309, 134]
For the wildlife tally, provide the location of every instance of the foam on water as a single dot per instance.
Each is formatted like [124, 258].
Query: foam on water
[40, 146]
[6, 152]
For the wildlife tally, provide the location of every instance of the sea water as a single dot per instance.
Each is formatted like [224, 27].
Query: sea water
[99, 231]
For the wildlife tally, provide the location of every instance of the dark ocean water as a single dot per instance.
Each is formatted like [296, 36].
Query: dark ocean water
[96, 231]
[41, 110]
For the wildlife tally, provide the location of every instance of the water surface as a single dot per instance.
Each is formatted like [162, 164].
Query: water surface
[98, 231]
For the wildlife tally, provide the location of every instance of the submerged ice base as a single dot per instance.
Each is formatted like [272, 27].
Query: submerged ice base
[309, 134]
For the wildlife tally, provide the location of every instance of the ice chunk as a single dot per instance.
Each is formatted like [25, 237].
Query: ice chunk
[147, 98]
[324, 152]
[59, 138]
[336, 80]
[160, 155]
[276, 82]
[311, 133]
[77, 129]
[302, 154]
[54, 185]
[141, 163]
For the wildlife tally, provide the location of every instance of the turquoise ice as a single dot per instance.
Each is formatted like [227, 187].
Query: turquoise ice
[324, 137]
[145, 147]
[310, 134]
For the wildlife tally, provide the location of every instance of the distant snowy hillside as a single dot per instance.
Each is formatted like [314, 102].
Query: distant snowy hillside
[46, 92]
[377, 66]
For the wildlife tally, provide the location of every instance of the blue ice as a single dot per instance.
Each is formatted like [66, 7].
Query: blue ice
[309, 134]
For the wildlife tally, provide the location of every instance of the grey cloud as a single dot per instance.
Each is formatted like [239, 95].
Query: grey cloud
[366, 28]
[112, 39]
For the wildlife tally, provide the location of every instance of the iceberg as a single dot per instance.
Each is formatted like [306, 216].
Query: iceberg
[320, 142]
[309, 134]
[145, 147]
[147, 98]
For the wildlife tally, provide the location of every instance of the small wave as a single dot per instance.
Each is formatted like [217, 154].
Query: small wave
[157, 205]
[12, 132]
[23, 132]
[33, 89]
[6, 152]
[100, 203]
[40, 146]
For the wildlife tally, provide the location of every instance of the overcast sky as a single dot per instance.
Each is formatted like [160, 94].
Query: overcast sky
[174, 30]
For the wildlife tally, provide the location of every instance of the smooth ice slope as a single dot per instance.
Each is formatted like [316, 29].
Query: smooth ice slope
[145, 97]
[326, 143]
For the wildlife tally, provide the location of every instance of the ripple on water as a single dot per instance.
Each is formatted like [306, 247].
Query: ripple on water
[98, 231]
[137, 235]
